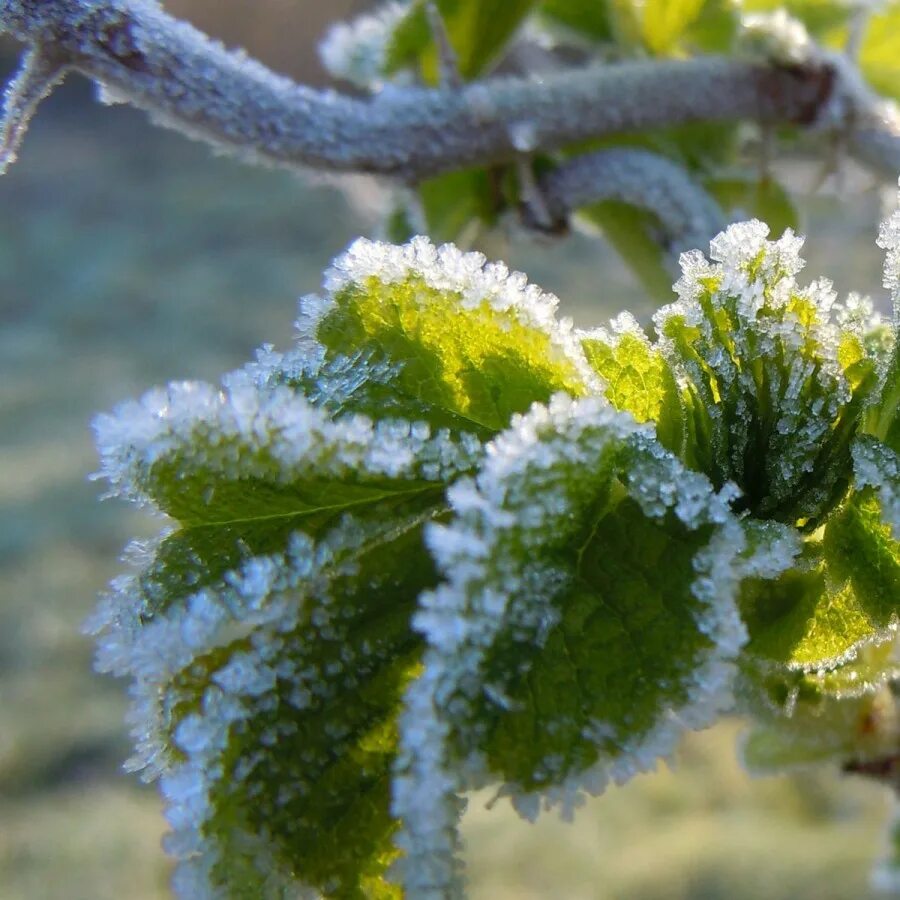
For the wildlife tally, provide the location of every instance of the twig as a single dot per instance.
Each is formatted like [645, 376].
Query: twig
[39, 73]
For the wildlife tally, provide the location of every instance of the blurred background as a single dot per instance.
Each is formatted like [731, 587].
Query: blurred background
[130, 256]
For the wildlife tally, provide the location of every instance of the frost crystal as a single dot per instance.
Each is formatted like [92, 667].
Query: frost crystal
[779, 371]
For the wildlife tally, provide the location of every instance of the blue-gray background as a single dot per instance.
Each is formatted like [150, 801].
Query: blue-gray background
[130, 256]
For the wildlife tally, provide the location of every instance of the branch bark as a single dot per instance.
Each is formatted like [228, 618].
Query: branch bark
[686, 212]
[185, 80]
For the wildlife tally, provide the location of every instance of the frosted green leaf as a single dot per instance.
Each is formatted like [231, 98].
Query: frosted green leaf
[637, 378]
[468, 338]
[776, 374]
[268, 635]
[268, 699]
[842, 593]
[212, 457]
[846, 715]
[587, 618]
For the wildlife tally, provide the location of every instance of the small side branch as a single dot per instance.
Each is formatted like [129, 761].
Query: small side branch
[688, 215]
[39, 73]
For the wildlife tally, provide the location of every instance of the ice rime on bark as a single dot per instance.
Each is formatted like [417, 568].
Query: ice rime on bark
[515, 576]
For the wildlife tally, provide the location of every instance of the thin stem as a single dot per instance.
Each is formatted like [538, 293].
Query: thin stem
[38, 74]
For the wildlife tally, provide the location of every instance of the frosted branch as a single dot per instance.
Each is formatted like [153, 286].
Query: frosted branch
[185, 80]
[687, 213]
[39, 73]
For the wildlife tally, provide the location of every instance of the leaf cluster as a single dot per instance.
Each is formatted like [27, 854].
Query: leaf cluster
[450, 541]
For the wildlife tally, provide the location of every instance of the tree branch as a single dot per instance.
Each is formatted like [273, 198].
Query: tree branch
[185, 80]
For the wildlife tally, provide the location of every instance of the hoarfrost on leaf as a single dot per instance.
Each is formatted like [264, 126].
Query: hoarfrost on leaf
[587, 617]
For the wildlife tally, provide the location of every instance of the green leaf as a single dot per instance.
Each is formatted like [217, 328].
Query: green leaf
[467, 338]
[208, 457]
[764, 199]
[882, 415]
[306, 767]
[269, 635]
[278, 709]
[716, 29]
[665, 21]
[843, 593]
[593, 18]
[478, 33]
[589, 595]
[879, 56]
[638, 378]
[609, 21]
[777, 375]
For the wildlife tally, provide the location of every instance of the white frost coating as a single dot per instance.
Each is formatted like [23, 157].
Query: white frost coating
[469, 276]
[772, 548]
[244, 431]
[876, 465]
[491, 554]
[357, 50]
[775, 368]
